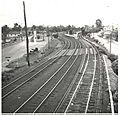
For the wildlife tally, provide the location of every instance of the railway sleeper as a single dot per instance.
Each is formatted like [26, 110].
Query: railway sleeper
[93, 93]
[91, 110]
[92, 103]
[85, 84]
[78, 107]
[84, 90]
[82, 110]
[88, 78]
[92, 98]
[82, 93]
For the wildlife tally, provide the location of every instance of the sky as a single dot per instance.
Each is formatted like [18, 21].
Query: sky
[59, 12]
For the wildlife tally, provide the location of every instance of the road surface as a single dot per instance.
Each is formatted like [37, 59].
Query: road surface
[18, 50]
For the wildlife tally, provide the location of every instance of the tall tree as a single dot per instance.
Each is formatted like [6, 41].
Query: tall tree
[5, 31]
[16, 27]
[19, 27]
[41, 28]
[98, 23]
[69, 27]
[33, 27]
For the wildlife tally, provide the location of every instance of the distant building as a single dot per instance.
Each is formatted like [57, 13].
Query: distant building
[13, 34]
[107, 31]
[107, 28]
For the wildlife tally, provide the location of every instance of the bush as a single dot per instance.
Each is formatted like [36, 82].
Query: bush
[115, 66]
[55, 35]
[36, 49]
[96, 40]
[112, 57]
[70, 32]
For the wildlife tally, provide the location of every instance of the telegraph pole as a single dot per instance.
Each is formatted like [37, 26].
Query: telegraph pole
[93, 30]
[27, 41]
[111, 38]
[48, 41]
[21, 33]
[110, 41]
[48, 34]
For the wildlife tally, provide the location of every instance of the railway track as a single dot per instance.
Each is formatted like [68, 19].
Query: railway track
[49, 86]
[88, 95]
[71, 84]
[104, 102]
[7, 97]
[65, 46]
[12, 86]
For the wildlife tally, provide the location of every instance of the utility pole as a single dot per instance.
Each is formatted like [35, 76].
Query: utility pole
[111, 38]
[110, 41]
[43, 36]
[21, 33]
[27, 41]
[93, 30]
[48, 34]
[48, 41]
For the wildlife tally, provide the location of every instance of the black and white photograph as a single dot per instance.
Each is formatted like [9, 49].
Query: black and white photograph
[59, 57]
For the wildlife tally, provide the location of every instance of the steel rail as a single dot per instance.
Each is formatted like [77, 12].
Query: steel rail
[86, 64]
[43, 85]
[98, 106]
[91, 87]
[109, 87]
[32, 76]
[95, 50]
[31, 70]
[58, 84]
[72, 83]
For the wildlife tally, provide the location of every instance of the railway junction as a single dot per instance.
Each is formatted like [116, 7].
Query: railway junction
[73, 79]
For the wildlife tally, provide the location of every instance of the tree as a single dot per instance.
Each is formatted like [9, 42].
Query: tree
[33, 27]
[41, 28]
[16, 27]
[5, 31]
[19, 27]
[98, 23]
[83, 30]
[115, 66]
[68, 27]
[115, 34]
[70, 31]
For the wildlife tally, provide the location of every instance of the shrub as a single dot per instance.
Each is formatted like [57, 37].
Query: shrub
[115, 66]
[112, 57]
[55, 35]
[36, 49]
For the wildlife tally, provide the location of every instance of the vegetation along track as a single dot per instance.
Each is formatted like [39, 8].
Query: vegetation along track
[16, 95]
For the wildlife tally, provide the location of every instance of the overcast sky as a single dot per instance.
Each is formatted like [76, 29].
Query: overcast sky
[59, 12]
